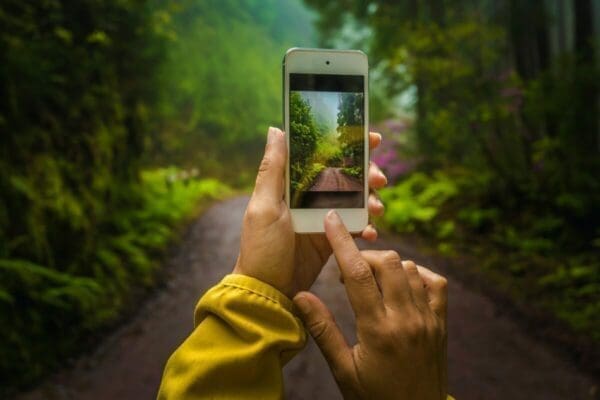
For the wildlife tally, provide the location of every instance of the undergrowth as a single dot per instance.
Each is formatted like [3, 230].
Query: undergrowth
[48, 313]
[522, 253]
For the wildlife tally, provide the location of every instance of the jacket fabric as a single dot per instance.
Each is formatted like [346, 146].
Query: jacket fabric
[245, 332]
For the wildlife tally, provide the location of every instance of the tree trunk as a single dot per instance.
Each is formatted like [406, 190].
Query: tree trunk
[586, 90]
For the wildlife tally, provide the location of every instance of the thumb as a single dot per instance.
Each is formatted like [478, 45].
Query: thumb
[322, 327]
[269, 182]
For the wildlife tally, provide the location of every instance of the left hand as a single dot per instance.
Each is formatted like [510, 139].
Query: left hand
[270, 250]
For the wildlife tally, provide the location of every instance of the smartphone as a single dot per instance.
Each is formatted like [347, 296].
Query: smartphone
[325, 112]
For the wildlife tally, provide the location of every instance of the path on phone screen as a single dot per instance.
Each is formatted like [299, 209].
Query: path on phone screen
[332, 179]
[490, 355]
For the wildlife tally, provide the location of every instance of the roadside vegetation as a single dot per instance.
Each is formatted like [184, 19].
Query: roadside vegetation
[119, 121]
[497, 157]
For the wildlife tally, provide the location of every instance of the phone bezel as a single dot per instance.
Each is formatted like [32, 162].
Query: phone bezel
[336, 62]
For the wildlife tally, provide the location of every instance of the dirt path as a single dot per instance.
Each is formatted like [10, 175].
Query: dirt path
[490, 357]
[334, 180]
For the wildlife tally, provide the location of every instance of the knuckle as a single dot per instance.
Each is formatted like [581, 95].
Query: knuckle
[343, 238]
[259, 212]
[265, 163]
[410, 267]
[252, 211]
[441, 283]
[392, 258]
[271, 213]
[385, 338]
[360, 272]
[319, 329]
[416, 328]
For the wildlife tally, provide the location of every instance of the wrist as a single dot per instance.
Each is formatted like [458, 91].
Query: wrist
[266, 279]
[256, 286]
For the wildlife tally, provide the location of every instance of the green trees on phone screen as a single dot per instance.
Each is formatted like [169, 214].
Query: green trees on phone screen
[321, 140]
[303, 138]
[350, 119]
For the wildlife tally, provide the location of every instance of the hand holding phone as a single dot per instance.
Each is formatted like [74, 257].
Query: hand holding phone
[270, 250]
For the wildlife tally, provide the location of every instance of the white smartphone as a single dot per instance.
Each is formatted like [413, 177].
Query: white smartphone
[326, 111]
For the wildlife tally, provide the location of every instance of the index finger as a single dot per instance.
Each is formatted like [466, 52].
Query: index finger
[362, 289]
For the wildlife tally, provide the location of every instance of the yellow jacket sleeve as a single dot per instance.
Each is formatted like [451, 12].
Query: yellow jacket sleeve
[244, 333]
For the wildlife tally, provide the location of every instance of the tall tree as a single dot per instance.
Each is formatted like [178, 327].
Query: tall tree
[303, 136]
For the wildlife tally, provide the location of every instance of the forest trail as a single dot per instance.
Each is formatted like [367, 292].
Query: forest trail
[490, 356]
[332, 179]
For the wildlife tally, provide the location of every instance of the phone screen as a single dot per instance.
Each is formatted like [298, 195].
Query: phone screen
[327, 141]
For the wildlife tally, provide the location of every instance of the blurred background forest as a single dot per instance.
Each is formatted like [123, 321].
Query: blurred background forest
[119, 120]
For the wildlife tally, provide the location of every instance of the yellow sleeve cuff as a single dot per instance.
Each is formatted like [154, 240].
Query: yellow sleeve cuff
[245, 331]
[252, 288]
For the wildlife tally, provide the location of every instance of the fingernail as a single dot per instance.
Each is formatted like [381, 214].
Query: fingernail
[383, 176]
[332, 215]
[272, 135]
[303, 304]
[380, 137]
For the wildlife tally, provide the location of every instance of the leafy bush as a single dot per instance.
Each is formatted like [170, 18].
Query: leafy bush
[39, 303]
[328, 152]
[521, 257]
[417, 201]
[308, 176]
[356, 172]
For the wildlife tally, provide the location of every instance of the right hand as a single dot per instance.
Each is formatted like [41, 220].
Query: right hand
[401, 328]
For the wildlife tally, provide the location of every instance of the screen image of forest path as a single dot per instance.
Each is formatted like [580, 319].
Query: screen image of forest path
[131, 134]
[326, 149]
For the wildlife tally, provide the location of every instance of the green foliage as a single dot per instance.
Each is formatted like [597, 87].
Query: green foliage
[304, 136]
[38, 303]
[77, 80]
[350, 126]
[328, 152]
[577, 301]
[315, 146]
[71, 132]
[221, 83]
[356, 172]
[94, 91]
[506, 146]
[309, 174]
[416, 201]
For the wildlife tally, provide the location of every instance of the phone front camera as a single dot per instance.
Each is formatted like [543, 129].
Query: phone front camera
[327, 62]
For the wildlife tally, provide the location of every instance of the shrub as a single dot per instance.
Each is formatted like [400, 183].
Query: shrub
[39, 303]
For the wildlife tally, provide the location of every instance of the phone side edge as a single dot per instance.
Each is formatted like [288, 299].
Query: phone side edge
[284, 109]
